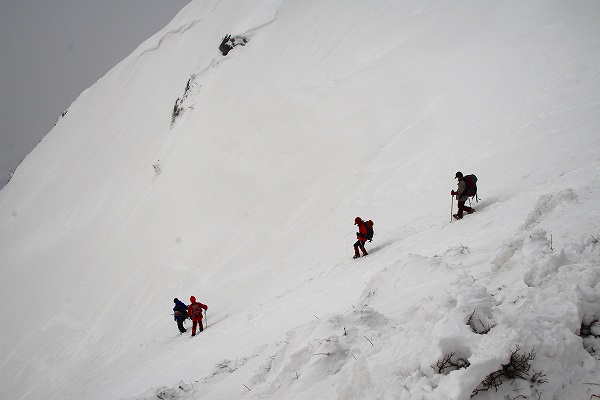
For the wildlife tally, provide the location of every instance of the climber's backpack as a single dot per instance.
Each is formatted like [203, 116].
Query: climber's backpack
[470, 185]
[369, 226]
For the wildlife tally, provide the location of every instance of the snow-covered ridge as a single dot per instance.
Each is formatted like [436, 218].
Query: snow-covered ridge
[331, 110]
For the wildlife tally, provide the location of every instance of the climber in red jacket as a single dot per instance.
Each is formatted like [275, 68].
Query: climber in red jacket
[195, 313]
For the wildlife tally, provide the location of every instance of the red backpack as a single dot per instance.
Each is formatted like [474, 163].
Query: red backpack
[195, 310]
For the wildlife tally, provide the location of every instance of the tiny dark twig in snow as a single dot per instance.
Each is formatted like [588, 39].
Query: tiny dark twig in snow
[539, 377]
[448, 362]
[518, 367]
[247, 387]
[586, 329]
[369, 341]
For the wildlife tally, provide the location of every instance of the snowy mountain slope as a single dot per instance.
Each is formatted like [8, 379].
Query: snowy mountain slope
[246, 201]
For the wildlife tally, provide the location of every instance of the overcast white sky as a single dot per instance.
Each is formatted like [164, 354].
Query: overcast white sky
[52, 50]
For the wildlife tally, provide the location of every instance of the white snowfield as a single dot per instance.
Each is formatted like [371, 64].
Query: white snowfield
[237, 180]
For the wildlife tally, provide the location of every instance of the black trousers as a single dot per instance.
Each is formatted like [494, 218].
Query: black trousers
[180, 325]
[359, 244]
[462, 208]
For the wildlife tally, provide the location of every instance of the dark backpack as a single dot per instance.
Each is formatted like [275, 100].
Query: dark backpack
[180, 311]
[470, 185]
[369, 226]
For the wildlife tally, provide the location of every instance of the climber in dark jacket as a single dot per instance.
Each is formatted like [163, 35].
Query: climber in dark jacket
[180, 313]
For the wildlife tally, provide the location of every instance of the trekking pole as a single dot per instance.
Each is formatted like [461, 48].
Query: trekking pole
[205, 318]
[451, 207]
